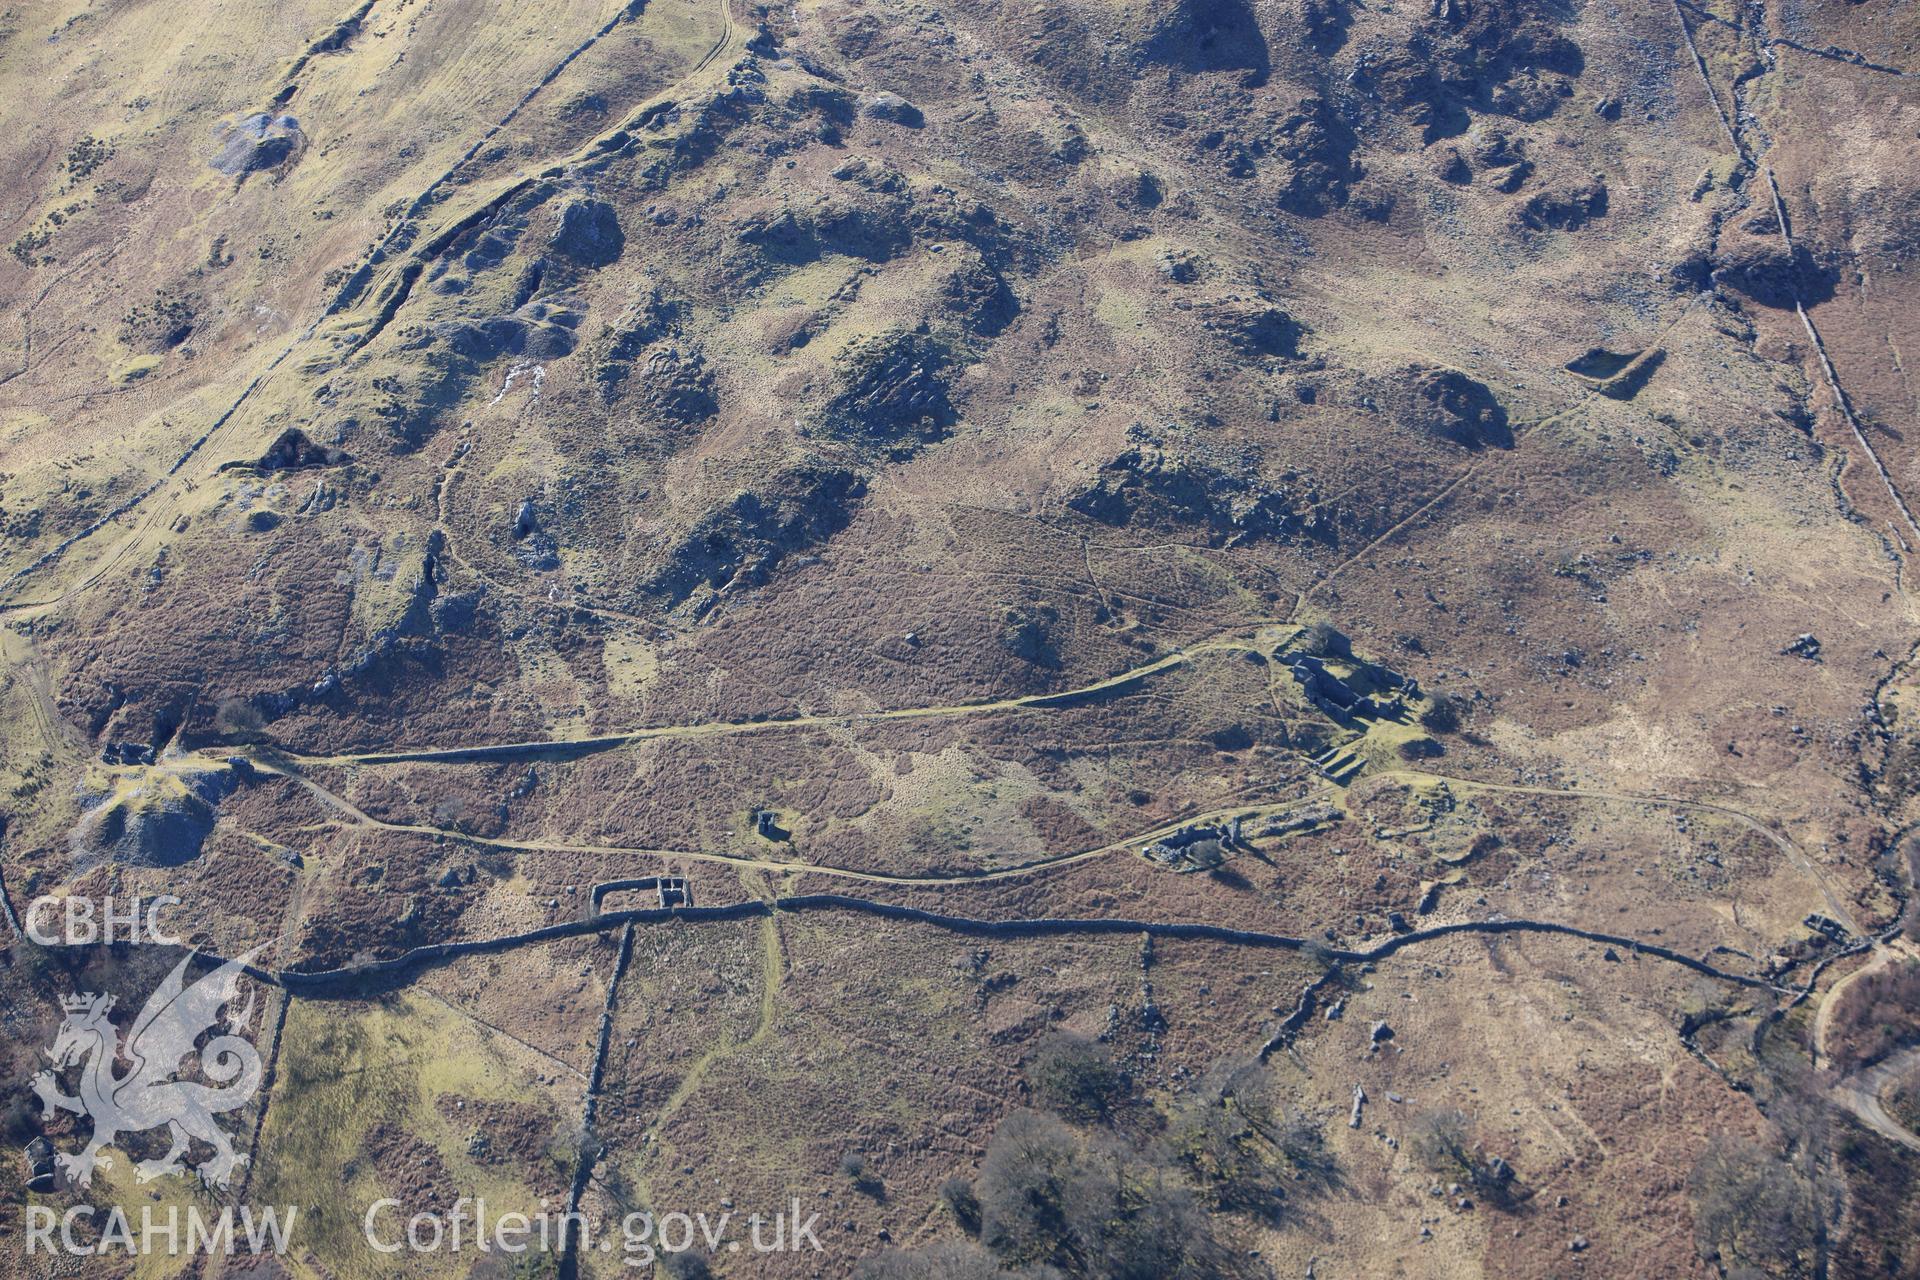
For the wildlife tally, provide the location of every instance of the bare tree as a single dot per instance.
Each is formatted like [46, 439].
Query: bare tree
[1759, 1210]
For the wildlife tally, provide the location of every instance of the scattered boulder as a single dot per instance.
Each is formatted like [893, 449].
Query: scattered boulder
[538, 552]
[1804, 646]
[533, 546]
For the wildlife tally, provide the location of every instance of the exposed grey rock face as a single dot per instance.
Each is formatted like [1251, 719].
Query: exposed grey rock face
[257, 142]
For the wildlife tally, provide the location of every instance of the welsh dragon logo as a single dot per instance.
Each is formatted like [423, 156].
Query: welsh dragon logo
[147, 1096]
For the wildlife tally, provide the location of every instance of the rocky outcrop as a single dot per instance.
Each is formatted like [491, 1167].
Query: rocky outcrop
[1767, 272]
[978, 297]
[1208, 35]
[674, 388]
[1256, 328]
[533, 546]
[874, 227]
[892, 390]
[1502, 160]
[1314, 149]
[890, 106]
[645, 322]
[293, 450]
[1500, 58]
[536, 331]
[1449, 404]
[1146, 486]
[1563, 208]
[1026, 631]
[744, 538]
[587, 232]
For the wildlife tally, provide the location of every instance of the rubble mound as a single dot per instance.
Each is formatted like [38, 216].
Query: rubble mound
[257, 142]
[162, 820]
